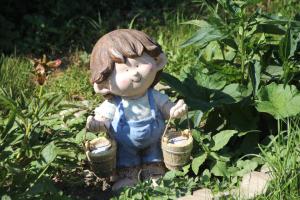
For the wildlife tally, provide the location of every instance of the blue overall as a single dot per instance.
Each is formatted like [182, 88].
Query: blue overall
[138, 141]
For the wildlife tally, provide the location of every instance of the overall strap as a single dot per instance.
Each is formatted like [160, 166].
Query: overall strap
[152, 103]
[118, 100]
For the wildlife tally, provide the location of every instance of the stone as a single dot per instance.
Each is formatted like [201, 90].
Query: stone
[201, 194]
[253, 184]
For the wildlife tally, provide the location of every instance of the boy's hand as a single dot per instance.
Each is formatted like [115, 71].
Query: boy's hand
[95, 124]
[178, 110]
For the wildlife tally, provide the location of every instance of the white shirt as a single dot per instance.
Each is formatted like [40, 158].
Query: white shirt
[134, 109]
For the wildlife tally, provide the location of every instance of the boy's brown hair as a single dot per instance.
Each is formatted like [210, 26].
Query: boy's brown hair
[115, 47]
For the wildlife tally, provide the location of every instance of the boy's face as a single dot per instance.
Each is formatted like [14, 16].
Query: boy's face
[134, 77]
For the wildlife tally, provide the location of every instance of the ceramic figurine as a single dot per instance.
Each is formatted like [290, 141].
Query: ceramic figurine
[125, 65]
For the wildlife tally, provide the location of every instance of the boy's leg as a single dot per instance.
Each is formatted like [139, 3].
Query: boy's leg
[128, 167]
[127, 156]
[152, 154]
[153, 165]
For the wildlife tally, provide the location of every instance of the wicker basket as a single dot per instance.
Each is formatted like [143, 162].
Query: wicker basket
[102, 163]
[177, 155]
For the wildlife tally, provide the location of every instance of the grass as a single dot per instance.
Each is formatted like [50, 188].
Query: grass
[287, 8]
[16, 75]
[73, 82]
[282, 156]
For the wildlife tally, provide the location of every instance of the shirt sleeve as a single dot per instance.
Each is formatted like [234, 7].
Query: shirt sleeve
[160, 99]
[106, 109]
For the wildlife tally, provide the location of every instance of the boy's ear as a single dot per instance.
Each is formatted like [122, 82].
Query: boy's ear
[101, 88]
[161, 61]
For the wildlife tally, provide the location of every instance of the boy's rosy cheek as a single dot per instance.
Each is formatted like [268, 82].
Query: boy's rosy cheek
[123, 82]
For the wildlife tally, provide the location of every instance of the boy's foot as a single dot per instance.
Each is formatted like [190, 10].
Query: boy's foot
[152, 171]
[126, 177]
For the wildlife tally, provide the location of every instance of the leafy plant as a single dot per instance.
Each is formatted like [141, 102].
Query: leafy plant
[32, 148]
[251, 42]
[173, 185]
[248, 66]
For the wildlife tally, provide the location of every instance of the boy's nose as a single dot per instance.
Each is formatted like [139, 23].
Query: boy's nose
[136, 76]
[136, 73]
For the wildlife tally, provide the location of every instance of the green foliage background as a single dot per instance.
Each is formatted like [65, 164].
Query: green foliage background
[236, 64]
[60, 26]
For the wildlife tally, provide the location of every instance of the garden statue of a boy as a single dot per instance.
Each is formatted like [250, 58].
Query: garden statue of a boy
[125, 65]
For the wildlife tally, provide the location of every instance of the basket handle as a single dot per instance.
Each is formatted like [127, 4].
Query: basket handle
[168, 123]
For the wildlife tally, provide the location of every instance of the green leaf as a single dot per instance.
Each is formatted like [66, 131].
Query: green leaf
[210, 81]
[43, 185]
[203, 36]
[279, 101]
[288, 44]
[270, 29]
[186, 169]
[197, 117]
[5, 197]
[170, 175]
[49, 153]
[230, 94]
[219, 169]
[196, 135]
[9, 124]
[245, 167]
[84, 135]
[254, 73]
[274, 70]
[199, 23]
[10, 104]
[222, 138]
[197, 162]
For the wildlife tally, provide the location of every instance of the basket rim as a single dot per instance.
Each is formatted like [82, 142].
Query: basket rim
[188, 143]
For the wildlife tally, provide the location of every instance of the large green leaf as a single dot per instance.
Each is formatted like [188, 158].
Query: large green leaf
[279, 101]
[222, 138]
[210, 81]
[219, 168]
[49, 153]
[231, 93]
[197, 162]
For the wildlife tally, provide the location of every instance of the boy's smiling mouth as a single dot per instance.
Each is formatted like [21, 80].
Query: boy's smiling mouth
[136, 79]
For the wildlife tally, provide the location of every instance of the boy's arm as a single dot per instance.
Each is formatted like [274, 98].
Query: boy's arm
[167, 107]
[175, 110]
[103, 116]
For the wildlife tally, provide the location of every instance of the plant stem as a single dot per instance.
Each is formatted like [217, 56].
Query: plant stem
[243, 52]
[38, 101]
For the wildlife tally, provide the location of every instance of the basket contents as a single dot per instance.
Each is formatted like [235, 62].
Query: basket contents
[178, 140]
[99, 145]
